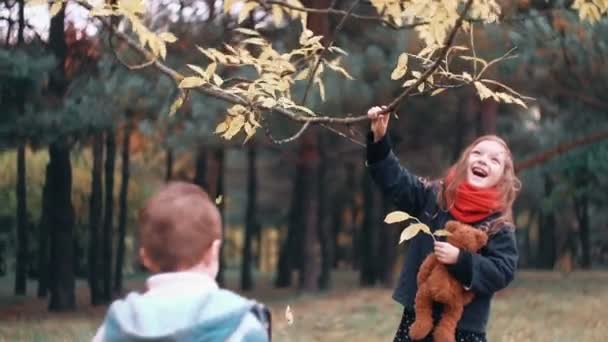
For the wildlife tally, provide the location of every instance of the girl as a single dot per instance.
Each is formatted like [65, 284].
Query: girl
[479, 189]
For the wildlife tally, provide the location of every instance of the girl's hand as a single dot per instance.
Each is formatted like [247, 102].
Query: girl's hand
[446, 253]
[379, 121]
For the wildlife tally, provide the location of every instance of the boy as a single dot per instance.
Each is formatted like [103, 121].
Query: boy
[180, 236]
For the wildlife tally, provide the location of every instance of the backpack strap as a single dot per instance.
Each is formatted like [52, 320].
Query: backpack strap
[261, 312]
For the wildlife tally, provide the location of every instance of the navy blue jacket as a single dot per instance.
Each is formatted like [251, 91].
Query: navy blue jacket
[484, 273]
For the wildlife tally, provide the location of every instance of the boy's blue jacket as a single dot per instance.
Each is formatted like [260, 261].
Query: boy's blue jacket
[484, 273]
[214, 315]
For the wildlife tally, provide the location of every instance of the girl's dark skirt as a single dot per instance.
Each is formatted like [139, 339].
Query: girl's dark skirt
[409, 317]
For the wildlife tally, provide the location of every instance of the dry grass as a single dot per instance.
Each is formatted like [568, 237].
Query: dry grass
[537, 307]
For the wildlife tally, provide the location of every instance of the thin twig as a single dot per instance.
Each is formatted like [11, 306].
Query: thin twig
[334, 11]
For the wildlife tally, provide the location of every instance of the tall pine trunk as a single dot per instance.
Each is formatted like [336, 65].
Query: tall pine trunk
[247, 282]
[95, 218]
[61, 224]
[122, 207]
[310, 263]
[582, 214]
[368, 234]
[22, 224]
[43, 239]
[289, 253]
[108, 219]
[323, 227]
[60, 213]
[546, 239]
[200, 175]
[387, 250]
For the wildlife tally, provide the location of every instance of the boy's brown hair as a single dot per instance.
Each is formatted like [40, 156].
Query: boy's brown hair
[177, 226]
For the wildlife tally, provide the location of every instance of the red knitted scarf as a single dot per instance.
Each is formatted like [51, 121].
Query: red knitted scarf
[473, 204]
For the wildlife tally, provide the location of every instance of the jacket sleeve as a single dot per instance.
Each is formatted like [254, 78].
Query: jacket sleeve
[407, 191]
[491, 270]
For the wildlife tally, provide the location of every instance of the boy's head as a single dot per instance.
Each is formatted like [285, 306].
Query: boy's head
[180, 228]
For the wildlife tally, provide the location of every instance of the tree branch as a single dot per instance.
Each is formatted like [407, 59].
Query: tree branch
[559, 150]
[333, 11]
[444, 50]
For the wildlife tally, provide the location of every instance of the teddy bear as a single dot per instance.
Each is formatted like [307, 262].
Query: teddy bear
[436, 284]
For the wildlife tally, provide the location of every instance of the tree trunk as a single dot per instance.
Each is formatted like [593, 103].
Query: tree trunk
[108, 224]
[250, 220]
[122, 207]
[546, 239]
[169, 165]
[43, 239]
[310, 263]
[323, 228]
[95, 217]
[60, 213]
[582, 214]
[61, 223]
[22, 224]
[200, 176]
[387, 247]
[289, 254]
[219, 156]
[368, 235]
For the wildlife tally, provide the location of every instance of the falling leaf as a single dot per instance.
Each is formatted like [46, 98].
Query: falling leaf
[396, 216]
[218, 199]
[289, 315]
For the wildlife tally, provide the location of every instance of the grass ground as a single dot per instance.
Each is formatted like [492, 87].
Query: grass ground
[538, 306]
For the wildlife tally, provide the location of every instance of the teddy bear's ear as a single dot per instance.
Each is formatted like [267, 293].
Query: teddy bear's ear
[452, 226]
[482, 238]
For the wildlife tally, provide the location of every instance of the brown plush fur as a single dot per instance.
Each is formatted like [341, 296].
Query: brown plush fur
[436, 284]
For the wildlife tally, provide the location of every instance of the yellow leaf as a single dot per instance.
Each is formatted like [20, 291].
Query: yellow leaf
[396, 216]
[246, 31]
[228, 4]
[302, 75]
[210, 70]
[442, 232]
[277, 15]
[483, 91]
[289, 315]
[191, 82]
[475, 59]
[196, 68]
[244, 12]
[218, 199]
[424, 228]
[255, 41]
[409, 232]
[221, 128]
[207, 52]
[421, 87]
[179, 101]
[268, 102]
[167, 37]
[253, 120]
[56, 7]
[249, 129]
[437, 91]
[401, 68]
[217, 80]
[235, 127]
[409, 82]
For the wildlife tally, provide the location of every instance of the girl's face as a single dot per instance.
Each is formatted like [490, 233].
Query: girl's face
[486, 164]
